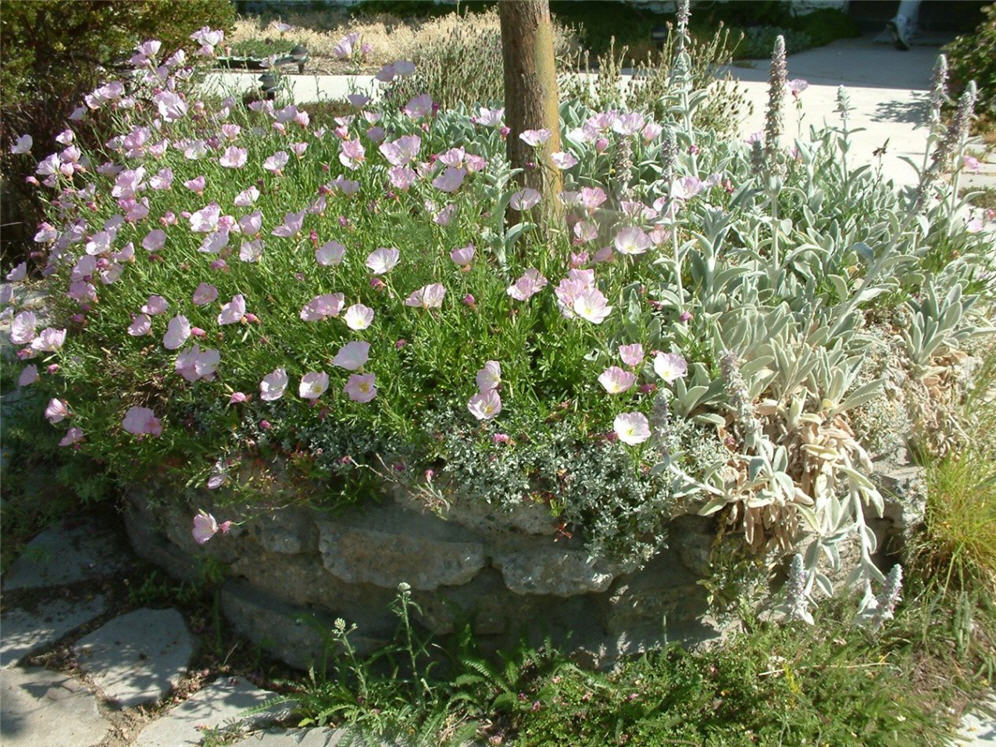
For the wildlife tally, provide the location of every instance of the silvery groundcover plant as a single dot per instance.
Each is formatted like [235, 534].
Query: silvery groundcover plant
[711, 326]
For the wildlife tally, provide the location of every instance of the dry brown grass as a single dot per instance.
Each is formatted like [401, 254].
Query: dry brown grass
[389, 37]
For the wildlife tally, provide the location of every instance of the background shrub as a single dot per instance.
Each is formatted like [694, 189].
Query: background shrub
[973, 57]
[55, 51]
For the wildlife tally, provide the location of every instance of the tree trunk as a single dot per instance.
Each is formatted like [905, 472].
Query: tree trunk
[531, 100]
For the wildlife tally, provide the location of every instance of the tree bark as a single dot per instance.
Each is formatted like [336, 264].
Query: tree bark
[531, 99]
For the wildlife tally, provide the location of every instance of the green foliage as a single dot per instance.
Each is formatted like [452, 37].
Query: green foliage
[57, 50]
[972, 56]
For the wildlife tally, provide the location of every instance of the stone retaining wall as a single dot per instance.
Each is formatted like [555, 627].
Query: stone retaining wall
[508, 573]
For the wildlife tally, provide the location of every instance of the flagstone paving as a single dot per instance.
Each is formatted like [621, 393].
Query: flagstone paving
[27, 630]
[40, 708]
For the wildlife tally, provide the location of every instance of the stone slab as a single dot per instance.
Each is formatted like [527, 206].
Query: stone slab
[978, 725]
[64, 555]
[137, 657]
[39, 708]
[310, 738]
[220, 706]
[24, 631]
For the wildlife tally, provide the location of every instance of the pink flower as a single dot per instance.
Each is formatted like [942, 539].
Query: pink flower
[251, 251]
[251, 223]
[534, 137]
[382, 261]
[463, 255]
[272, 386]
[22, 328]
[196, 184]
[449, 180]
[346, 47]
[22, 145]
[797, 86]
[205, 220]
[238, 398]
[204, 294]
[56, 411]
[276, 162]
[632, 428]
[154, 240]
[485, 405]
[233, 311]
[563, 160]
[971, 163]
[246, 197]
[631, 240]
[631, 355]
[330, 253]
[322, 307]
[291, 225]
[155, 305]
[615, 380]
[194, 364]
[401, 177]
[234, 157]
[205, 527]
[489, 377]
[352, 355]
[524, 199]
[49, 340]
[501, 438]
[427, 297]
[445, 216]
[352, 154]
[489, 117]
[591, 306]
[360, 387]
[670, 366]
[20, 271]
[313, 385]
[73, 436]
[141, 420]
[29, 375]
[592, 197]
[141, 325]
[171, 107]
[358, 317]
[531, 283]
[418, 107]
[177, 332]
[401, 151]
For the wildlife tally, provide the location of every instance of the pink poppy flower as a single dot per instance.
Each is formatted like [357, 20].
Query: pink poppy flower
[246, 197]
[489, 377]
[971, 163]
[251, 223]
[49, 340]
[524, 199]
[20, 271]
[206, 219]
[352, 355]
[154, 240]
[276, 162]
[360, 387]
[56, 411]
[22, 328]
[194, 364]
[592, 197]
[615, 380]
[534, 137]
[352, 154]
[462, 255]
[628, 124]
[272, 386]
[73, 436]
[22, 145]
[29, 375]
[670, 366]
[797, 86]
[291, 225]
[427, 297]
[233, 311]
[563, 160]
[449, 180]
[322, 307]
[485, 405]
[141, 325]
[358, 317]
[401, 151]
[632, 428]
[631, 240]
[196, 185]
[140, 421]
[418, 107]
[204, 294]
[238, 398]
[401, 177]
[234, 157]
[171, 106]
[445, 216]
[585, 231]
[531, 283]
[230, 131]
[650, 132]
[330, 254]
[206, 526]
[177, 332]
[631, 355]
[591, 306]
[313, 385]
[382, 261]
[251, 251]
[489, 117]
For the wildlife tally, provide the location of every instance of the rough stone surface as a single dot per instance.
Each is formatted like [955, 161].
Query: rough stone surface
[386, 545]
[978, 725]
[220, 706]
[39, 708]
[308, 738]
[904, 488]
[551, 570]
[68, 554]
[137, 657]
[25, 631]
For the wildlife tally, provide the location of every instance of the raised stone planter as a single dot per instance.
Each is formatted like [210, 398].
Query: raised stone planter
[293, 570]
